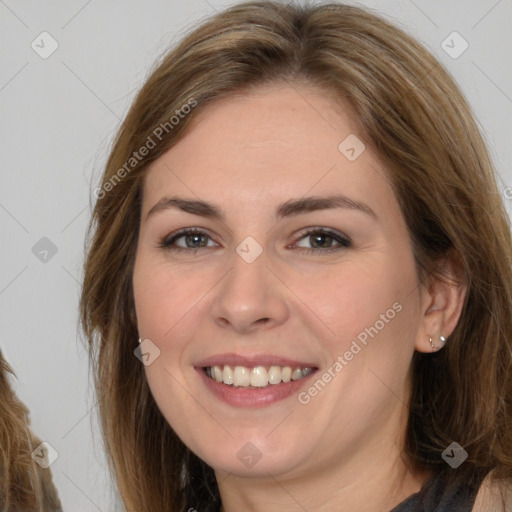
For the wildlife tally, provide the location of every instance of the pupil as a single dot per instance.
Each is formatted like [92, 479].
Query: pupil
[318, 237]
[194, 239]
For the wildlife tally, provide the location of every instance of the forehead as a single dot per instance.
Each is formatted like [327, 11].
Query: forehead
[275, 141]
[273, 121]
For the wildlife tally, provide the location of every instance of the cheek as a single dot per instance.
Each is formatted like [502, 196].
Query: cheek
[166, 302]
[163, 296]
[354, 297]
[373, 317]
[373, 314]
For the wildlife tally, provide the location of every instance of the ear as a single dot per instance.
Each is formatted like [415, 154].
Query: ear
[441, 305]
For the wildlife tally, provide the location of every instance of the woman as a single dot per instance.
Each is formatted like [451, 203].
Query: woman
[24, 485]
[299, 235]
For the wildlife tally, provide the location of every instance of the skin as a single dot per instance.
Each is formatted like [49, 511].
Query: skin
[248, 154]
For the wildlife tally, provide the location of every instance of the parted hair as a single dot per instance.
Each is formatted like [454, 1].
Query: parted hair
[411, 112]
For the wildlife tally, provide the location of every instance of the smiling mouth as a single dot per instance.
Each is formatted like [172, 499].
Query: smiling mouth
[256, 377]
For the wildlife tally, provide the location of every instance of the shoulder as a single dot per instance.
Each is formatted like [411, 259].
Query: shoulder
[494, 495]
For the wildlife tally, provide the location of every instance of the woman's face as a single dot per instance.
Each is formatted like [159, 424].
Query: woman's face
[270, 278]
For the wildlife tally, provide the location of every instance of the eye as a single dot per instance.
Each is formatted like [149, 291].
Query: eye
[322, 239]
[193, 239]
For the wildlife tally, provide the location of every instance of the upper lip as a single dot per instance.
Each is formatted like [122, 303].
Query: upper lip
[232, 359]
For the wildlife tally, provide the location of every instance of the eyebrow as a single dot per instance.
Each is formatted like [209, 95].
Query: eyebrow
[287, 209]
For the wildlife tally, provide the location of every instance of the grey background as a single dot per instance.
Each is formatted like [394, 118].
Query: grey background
[58, 117]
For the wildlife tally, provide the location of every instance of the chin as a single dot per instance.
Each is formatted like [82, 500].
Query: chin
[254, 458]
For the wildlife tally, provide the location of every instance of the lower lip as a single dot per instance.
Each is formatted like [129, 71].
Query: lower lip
[243, 397]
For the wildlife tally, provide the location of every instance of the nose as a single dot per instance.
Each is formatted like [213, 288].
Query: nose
[250, 297]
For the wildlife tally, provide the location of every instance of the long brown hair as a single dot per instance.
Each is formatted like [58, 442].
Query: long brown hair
[24, 486]
[412, 113]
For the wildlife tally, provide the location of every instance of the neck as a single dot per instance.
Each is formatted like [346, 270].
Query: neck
[391, 483]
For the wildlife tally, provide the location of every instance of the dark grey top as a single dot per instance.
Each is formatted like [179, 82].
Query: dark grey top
[437, 495]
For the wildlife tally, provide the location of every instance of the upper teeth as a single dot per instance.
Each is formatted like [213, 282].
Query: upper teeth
[258, 376]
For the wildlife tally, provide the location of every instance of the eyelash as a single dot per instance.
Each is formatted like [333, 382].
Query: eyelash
[344, 241]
